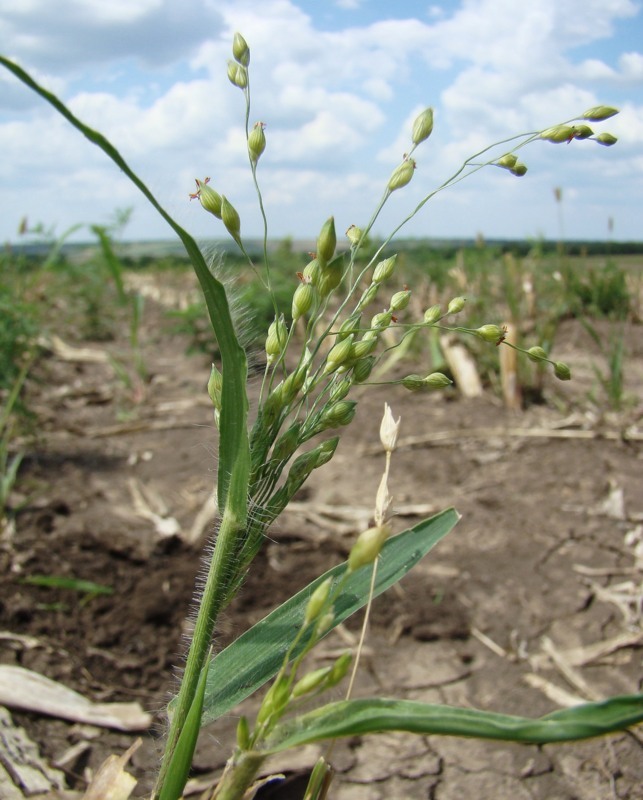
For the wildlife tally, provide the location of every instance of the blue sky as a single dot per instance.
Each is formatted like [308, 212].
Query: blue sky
[338, 85]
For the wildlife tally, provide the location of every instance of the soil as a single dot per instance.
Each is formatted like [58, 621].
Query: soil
[504, 614]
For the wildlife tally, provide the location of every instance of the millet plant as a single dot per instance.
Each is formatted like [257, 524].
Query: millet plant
[305, 394]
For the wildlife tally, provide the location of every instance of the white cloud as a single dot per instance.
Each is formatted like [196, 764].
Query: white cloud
[338, 102]
[632, 66]
[70, 35]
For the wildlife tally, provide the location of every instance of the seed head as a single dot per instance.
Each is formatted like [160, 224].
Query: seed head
[275, 700]
[317, 601]
[340, 390]
[582, 132]
[490, 333]
[338, 354]
[327, 241]
[368, 296]
[384, 269]
[302, 300]
[400, 300]
[311, 681]
[354, 234]
[325, 451]
[330, 276]
[363, 369]
[276, 339]
[519, 170]
[423, 126]
[508, 161]
[293, 383]
[237, 75]
[256, 142]
[598, 113]
[432, 315]
[240, 50]
[456, 305]
[437, 380]
[209, 199]
[562, 371]
[339, 414]
[274, 403]
[340, 668]
[287, 443]
[324, 625]
[381, 321]
[413, 382]
[347, 327]
[558, 134]
[367, 547]
[312, 272]
[389, 429]
[363, 348]
[606, 139]
[230, 218]
[536, 354]
[401, 175]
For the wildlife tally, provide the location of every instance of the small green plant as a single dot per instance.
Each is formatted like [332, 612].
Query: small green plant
[611, 377]
[598, 292]
[19, 324]
[315, 356]
[10, 459]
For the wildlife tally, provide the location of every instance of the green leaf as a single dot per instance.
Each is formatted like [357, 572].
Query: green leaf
[61, 582]
[358, 717]
[234, 451]
[177, 773]
[254, 658]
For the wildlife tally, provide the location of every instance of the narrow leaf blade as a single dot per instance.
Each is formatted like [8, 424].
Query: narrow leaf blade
[376, 715]
[254, 658]
[177, 773]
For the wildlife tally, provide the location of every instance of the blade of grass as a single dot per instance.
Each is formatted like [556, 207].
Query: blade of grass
[61, 582]
[256, 656]
[181, 761]
[360, 717]
[234, 448]
[234, 403]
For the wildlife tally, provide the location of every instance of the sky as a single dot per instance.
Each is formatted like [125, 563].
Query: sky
[338, 85]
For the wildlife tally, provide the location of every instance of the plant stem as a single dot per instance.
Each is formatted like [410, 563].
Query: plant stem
[238, 775]
[215, 595]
